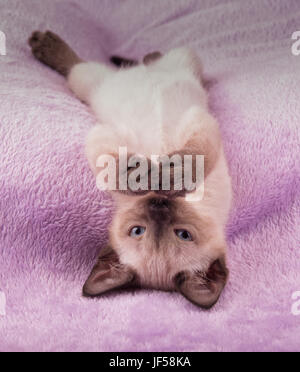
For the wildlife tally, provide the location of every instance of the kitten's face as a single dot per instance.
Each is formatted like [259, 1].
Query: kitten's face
[162, 242]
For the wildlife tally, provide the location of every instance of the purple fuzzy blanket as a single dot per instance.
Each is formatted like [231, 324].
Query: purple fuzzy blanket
[53, 220]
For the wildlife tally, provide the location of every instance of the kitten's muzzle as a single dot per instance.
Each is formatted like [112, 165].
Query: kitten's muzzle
[160, 210]
[159, 204]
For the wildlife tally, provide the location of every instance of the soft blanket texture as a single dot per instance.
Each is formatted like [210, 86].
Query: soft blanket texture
[53, 220]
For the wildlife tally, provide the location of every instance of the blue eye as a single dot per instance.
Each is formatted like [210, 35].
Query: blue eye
[137, 231]
[184, 235]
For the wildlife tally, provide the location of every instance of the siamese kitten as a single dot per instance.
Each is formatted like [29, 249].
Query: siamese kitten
[157, 239]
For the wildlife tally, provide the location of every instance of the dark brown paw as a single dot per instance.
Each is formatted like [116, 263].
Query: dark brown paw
[51, 50]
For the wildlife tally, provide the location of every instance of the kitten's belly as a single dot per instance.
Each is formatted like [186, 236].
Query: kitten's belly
[147, 105]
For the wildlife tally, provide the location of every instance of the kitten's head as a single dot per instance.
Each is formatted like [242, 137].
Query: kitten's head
[162, 242]
[161, 239]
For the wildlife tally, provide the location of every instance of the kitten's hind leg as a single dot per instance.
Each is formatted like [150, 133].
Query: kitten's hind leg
[181, 58]
[84, 78]
[51, 50]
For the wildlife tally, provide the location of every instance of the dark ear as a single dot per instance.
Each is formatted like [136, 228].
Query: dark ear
[107, 274]
[203, 289]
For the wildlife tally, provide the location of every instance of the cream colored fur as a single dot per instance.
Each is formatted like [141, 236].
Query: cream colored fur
[157, 109]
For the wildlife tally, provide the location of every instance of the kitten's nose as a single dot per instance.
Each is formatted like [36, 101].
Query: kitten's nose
[159, 205]
[160, 212]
